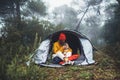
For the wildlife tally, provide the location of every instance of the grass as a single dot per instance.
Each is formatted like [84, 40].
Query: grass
[107, 68]
[104, 70]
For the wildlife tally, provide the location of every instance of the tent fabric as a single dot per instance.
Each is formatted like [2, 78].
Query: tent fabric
[88, 52]
[42, 52]
[75, 40]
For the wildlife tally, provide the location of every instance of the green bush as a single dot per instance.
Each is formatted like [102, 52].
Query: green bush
[20, 71]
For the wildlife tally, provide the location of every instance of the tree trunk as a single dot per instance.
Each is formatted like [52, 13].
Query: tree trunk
[18, 10]
[18, 14]
[118, 2]
[79, 22]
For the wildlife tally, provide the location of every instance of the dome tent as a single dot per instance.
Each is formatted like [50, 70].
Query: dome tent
[76, 41]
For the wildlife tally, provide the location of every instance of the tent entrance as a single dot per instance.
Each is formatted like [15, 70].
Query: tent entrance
[72, 40]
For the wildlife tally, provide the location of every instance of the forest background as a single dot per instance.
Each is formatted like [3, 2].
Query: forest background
[25, 23]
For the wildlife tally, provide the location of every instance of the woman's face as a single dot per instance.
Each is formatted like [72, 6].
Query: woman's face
[62, 42]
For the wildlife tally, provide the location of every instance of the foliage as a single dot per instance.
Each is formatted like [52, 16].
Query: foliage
[105, 69]
[16, 43]
[19, 38]
[111, 29]
[36, 7]
[113, 51]
[21, 71]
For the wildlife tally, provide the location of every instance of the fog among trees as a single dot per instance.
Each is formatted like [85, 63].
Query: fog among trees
[25, 23]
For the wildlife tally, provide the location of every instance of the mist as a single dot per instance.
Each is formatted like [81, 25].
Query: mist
[93, 21]
[26, 28]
